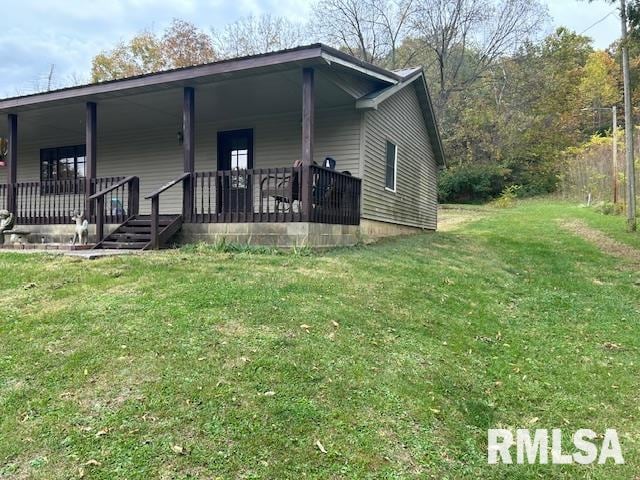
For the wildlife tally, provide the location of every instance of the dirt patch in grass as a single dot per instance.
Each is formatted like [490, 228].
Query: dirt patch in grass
[605, 243]
[452, 218]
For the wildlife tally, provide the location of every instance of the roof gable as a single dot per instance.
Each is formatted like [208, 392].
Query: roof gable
[411, 77]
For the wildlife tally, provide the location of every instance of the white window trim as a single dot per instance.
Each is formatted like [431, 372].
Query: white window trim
[395, 171]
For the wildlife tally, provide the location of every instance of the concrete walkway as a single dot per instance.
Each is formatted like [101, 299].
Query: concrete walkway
[84, 254]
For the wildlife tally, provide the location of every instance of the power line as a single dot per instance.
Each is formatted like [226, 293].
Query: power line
[598, 22]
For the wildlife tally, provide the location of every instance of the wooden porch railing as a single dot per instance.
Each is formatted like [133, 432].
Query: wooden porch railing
[275, 195]
[3, 196]
[53, 202]
[116, 203]
[335, 197]
[183, 179]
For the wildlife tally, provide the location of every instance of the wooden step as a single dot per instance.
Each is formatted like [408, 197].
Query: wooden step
[124, 245]
[135, 234]
[130, 229]
[147, 223]
[126, 236]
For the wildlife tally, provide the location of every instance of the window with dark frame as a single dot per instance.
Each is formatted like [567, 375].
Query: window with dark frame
[391, 166]
[60, 167]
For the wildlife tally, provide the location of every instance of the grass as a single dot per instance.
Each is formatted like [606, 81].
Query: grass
[396, 358]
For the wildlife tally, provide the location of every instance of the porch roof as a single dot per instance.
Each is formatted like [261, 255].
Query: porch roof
[304, 56]
[359, 80]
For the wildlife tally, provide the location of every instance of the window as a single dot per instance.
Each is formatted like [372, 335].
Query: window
[63, 163]
[239, 162]
[392, 166]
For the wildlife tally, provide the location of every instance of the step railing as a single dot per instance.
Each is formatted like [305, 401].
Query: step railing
[184, 179]
[124, 192]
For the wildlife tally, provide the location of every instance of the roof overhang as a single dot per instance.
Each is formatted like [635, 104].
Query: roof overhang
[306, 56]
[417, 78]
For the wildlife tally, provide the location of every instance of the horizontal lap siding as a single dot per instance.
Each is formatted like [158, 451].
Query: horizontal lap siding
[155, 155]
[399, 119]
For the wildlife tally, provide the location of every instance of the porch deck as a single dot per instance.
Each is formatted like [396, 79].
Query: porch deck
[312, 194]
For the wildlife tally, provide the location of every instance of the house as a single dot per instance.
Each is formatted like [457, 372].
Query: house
[307, 146]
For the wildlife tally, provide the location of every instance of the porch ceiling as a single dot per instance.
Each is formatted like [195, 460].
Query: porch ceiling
[224, 98]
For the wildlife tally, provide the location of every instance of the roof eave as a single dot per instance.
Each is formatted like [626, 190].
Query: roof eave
[371, 102]
[316, 54]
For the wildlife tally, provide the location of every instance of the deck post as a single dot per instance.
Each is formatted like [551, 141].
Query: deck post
[155, 222]
[188, 149]
[91, 151]
[308, 118]
[12, 162]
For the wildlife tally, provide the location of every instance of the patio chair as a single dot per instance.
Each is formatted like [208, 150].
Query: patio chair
[283, 189]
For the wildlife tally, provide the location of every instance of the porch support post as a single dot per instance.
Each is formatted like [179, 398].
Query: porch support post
[188, 149]
[91, 164]
[308, 117]
[12, 159]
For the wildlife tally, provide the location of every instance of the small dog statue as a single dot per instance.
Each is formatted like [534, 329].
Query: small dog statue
[82, 228]
[7, 221]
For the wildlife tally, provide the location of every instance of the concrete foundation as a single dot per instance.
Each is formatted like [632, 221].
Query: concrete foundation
[373, 230]
[62, 234]
[285, 235]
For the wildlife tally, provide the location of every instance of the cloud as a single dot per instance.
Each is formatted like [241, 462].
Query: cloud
[68, 34]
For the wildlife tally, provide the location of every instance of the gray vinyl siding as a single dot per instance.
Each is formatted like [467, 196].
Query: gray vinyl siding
[399, 120]
[154, 154]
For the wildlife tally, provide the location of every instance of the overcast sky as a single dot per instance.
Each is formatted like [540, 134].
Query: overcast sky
[68, 33]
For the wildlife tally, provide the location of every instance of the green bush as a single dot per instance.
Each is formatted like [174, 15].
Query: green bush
[471, 183]
[609, 208]
[508, 197]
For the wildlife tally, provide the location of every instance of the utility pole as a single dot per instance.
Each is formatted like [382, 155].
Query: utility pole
[614, 133]
[628, 124]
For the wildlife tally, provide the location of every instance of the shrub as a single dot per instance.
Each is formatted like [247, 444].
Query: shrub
[471, 183]
[508, 197]
[609, 208]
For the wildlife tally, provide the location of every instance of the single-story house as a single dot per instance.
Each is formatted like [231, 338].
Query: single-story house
[307, 146]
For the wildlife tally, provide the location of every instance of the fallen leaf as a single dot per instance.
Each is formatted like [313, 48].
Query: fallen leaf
[335, 324]
[92, 463]
[305, 326]
[533, 420]
[320, 446]
[178, 449]
[102, 433]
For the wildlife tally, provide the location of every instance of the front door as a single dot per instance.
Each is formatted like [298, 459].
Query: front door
[235, 157]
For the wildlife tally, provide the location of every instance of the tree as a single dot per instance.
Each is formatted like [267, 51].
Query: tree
[253, 35]
[181, 45]
[599, 86]
[629, 28]
[466, 37]
[371, 30]
[521, 113]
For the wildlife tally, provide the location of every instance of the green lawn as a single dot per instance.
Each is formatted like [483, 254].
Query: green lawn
[396, 357]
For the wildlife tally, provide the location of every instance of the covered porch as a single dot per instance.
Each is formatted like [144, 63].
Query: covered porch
[230, 148]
